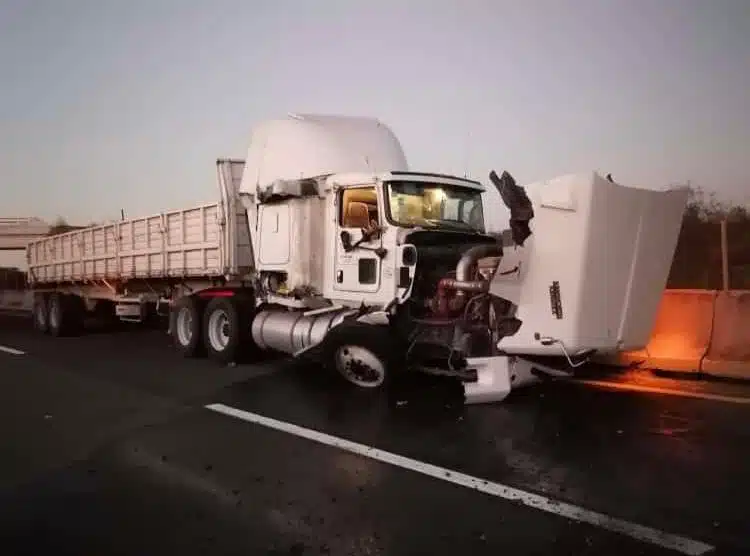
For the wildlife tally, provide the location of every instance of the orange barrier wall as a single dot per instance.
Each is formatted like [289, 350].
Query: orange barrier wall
[682, 331]
[680, 336]
[697, 331]
[729, 352]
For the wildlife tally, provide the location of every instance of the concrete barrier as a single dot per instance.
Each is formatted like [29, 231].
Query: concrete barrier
[696, 331]
[680, 337]
[729, 351]
[682, 331]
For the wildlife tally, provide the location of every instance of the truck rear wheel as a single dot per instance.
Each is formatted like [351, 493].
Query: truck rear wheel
[40, 310]
[185, 326]
[362, 354]
[225, 328]
[65, 314]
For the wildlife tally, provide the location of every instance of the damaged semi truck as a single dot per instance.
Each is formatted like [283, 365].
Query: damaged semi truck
[323, 244]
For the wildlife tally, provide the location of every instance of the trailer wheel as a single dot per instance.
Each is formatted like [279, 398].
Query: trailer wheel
[58, 315]
[65, 314]
[40, 310]
[362, 354]
[185, 326]
[224, 328]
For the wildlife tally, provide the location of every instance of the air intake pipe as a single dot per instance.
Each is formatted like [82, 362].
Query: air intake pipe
[469, 260]
[463, 282]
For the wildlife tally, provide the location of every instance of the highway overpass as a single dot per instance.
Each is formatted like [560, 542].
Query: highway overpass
[16, 233]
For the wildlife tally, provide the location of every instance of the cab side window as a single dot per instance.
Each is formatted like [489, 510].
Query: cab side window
[358, 207]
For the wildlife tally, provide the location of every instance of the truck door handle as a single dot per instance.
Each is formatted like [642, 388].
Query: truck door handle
[339, 276]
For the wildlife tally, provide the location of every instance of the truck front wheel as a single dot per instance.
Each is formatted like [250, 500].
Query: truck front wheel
[362, 354]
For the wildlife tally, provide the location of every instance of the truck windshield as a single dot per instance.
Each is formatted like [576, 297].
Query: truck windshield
[432, 205]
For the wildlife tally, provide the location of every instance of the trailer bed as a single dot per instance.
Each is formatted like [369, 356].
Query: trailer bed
[181, 243]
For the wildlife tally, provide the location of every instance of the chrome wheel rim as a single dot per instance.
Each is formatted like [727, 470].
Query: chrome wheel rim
[184, 326]
[218, 330]
[359, 366]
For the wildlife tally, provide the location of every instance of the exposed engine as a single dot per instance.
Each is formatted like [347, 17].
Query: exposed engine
[452, 315]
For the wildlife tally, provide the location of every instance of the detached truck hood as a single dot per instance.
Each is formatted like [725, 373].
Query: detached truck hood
[592, 272]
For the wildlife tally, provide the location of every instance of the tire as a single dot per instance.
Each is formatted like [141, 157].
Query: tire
[363, 355]
[186, 327]
[57, 315]
[40, 313]
[65, 314]
[226, 328]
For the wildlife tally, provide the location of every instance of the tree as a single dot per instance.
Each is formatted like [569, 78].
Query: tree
[697, 260]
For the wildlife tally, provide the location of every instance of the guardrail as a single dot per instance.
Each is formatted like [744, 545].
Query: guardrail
[697, 331]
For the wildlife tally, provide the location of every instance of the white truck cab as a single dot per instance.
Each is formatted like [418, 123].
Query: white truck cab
[343, 235]
[347, 239]
[380, 261]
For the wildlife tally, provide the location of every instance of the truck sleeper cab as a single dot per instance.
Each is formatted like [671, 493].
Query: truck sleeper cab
[338, 273]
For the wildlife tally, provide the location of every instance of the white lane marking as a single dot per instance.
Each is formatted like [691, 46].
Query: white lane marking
[641, 533]
[12, 351]
[665, 391]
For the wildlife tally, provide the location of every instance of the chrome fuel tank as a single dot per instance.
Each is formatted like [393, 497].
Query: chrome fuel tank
[293, 331]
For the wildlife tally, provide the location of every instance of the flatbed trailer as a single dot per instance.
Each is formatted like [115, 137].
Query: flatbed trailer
[136, 267]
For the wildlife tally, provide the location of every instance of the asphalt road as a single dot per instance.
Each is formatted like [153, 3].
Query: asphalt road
[113, 445]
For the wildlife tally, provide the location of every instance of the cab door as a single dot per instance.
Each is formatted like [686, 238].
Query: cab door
[357, 268]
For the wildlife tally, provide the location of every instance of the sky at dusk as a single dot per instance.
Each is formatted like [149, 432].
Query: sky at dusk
[109, 105]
